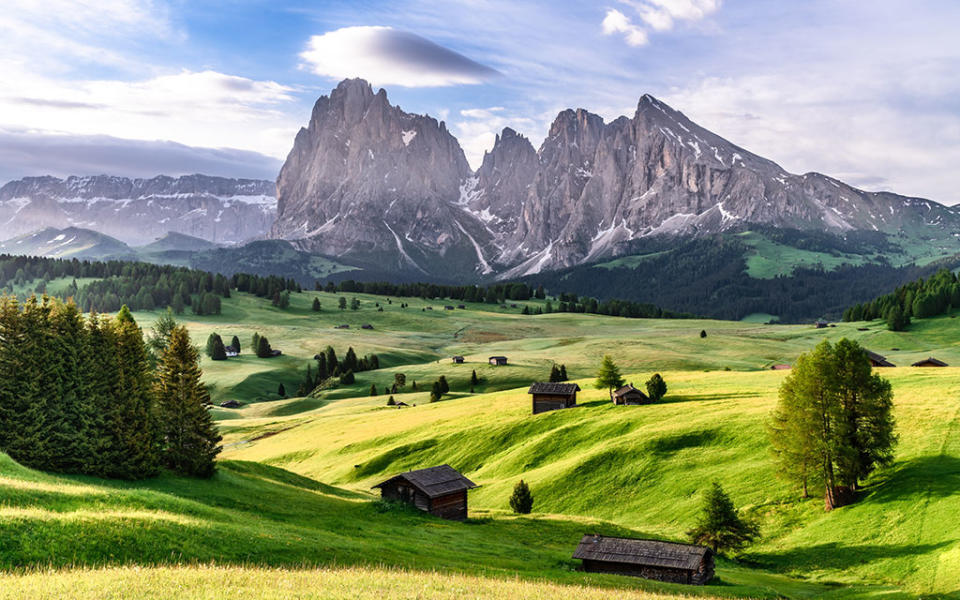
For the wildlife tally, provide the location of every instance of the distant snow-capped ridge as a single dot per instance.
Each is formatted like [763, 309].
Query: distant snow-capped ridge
[137, 211]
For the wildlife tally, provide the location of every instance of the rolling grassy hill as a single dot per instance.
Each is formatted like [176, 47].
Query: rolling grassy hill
[293, 490]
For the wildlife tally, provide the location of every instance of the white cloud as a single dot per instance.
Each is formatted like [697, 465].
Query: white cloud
[203, 108]
[657, 15]
[386, 56]
[617, 22]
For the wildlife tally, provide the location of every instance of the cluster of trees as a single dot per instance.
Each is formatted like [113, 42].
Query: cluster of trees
[140, 286]
[328, 366]
[216, 349]
[261, 345]
[557, 373]
[89, 395]
[720, 525]
[439, 389]
[609, 378]
[493, 294]
[263, 287]
[937, 295]
[833, 424]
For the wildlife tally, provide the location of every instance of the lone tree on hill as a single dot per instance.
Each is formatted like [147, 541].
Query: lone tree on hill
[444, 386]
[720, 526]
[191, 438]
[391, 401]
[373, 389]
[833, 424]
[435, 393]
[399, 380]
[316, 305]
[608, 376]
[703, 333]
[656, 388]
[521, 501]
[474, 380]
[263, 348]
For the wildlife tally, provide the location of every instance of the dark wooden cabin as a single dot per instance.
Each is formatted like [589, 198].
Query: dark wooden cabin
[630, 395]
[651, 559]
[440, 491]
[929, 362]
[498, 361]
[553, 396]
[458, 360]
[878, 361]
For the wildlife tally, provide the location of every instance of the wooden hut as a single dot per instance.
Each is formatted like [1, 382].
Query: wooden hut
[458, 360]
[780, 367]
[929, 362]
[553, 396]
[822, 324]
[629, 395]
[231, 351]
[497, 361]
[651, 559]
[878, 361]
[440, 491]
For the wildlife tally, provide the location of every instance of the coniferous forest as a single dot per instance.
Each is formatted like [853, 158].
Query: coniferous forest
[81, 394]
[937, 295]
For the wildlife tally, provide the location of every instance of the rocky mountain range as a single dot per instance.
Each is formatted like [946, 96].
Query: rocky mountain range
[138, 211]
[366, 181]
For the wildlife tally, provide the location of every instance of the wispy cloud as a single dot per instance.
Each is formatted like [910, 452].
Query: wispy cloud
[654, 15]
[386, 56]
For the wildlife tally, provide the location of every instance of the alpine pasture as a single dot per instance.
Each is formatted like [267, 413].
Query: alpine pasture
[293, 487]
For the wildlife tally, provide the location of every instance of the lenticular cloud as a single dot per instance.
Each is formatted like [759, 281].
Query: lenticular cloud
[386, 56]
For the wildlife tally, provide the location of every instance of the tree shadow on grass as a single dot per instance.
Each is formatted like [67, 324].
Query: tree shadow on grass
[676, 398]
[835, 555]
[284, 477]
[938, 475]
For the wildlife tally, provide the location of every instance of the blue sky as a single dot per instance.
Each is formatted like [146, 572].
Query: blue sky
[864, 91]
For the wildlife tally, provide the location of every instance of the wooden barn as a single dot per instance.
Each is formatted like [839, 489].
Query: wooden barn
[651, 559]
[929, 362]
[553, 396]
[629, 395]
[458, 360]
[440, 491]
[498, 361]
[878, 361]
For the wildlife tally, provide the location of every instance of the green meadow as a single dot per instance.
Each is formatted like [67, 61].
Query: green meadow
[291, 507]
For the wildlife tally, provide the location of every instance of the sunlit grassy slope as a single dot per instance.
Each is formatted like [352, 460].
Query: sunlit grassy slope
[294, 487]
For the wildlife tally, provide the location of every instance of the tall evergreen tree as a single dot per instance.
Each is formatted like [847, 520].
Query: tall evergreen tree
[563, 373]
[521, 501]
[555, 374]
[656, 388]
[720, 526]
[316, 305]
[444, 386]
[474, 380]
[349, 362]
[190, 436]
[332, 362]
[219, 351]
[263, 348]
[608, 376]
[235, 342]
[435, 393]
[160, 335]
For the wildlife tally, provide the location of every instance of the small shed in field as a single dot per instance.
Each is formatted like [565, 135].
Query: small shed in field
[230, 404]
[822, 324]
[440, 491]
[929, 362]
[780, 367]
[877, 360]
[553, 396]
[366, 326]
[629, 395]
[651, 559]
[498, 361]
[458, 360]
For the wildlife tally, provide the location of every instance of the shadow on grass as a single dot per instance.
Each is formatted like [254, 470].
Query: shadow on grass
[937, 475]
[675, 398]
[284, 477]
[835, 555]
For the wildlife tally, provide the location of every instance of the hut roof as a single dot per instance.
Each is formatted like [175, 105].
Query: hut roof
[563, 389]
[652, 553]
[879, 359]
[930, 361]
[503, 357]
[627, 389]
[435, 481]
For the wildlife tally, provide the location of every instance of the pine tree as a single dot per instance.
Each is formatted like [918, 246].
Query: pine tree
[136, 435]
[563, 373]
[608, 376]
[255, 341]
[554, 374]
[71, 436]
[211, 342]
[322, 372]
[391, 401]
[219, 351]
[656, 388]
[399, 380]
[444, 387]
[191, 438]
[160, 335]
[349, 362]
[703, 333]
[720, 527]
[342, 303]
[521, 501]
[435, 393]
[281, 391]
[347, 378]
[332, 362]
[474, 380]
[316, 305]
[373, 389]
[263, 348]
[235, 342]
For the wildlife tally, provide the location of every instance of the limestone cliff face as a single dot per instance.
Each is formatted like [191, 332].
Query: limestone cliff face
[368, 181]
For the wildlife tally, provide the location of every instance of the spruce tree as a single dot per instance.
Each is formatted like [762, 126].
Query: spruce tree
[255, 341]
[322, 372]
[435, 393]
[444, 387]
[70, 411]
[332, 362]
[349, 362]
[608, 376]
[263, 348]
[554, 374]
[190, 436]
[373, 389]
[211, 343]
[160, 335]
[391, 401]
[563, 373]
[281, 391]
[720, 526]
[316, 305]
[521, 501]
[219, 351]
[474, 380]
[347, 378]
[235, 342]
